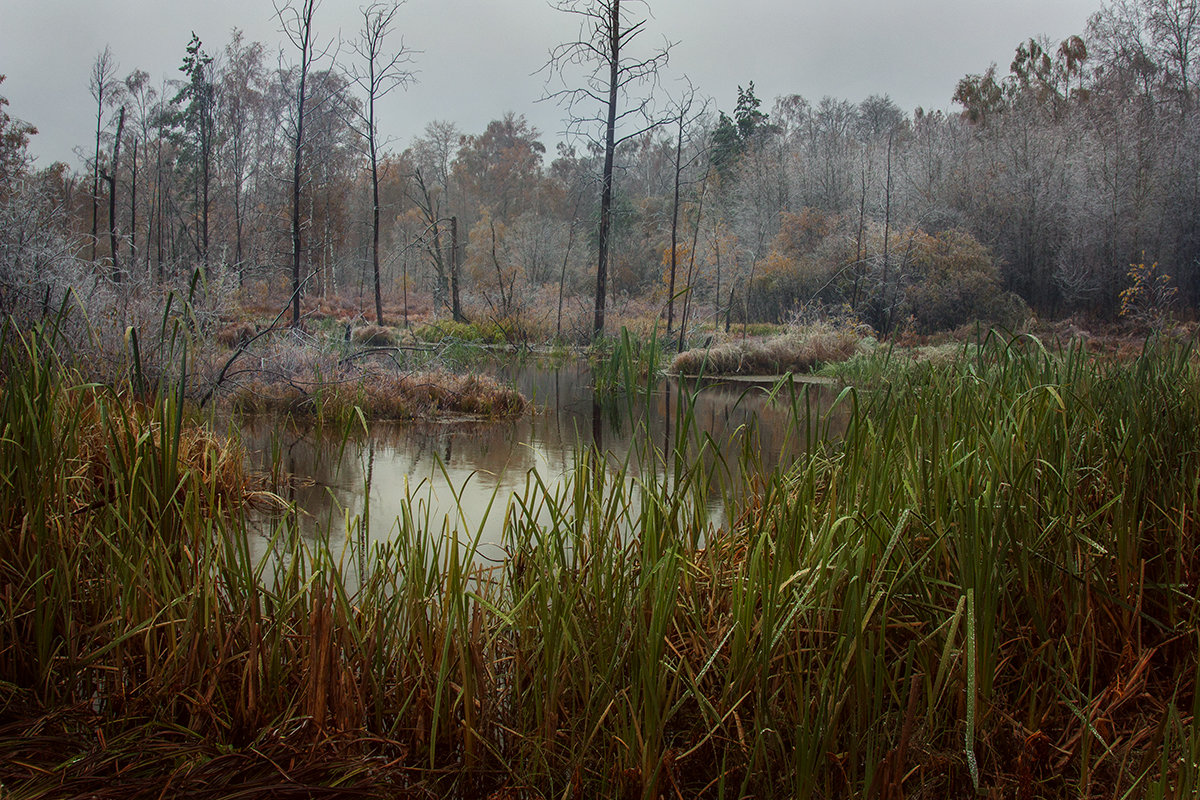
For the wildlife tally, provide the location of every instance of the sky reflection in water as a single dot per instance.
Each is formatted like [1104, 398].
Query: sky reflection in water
[464, 475]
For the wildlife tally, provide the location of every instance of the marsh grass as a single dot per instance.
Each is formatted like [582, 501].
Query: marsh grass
[987, 583]
[382, 395]
[375, 336]
[626, 365]
[799, 350]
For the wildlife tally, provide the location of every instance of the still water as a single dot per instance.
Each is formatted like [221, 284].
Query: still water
[462, 477]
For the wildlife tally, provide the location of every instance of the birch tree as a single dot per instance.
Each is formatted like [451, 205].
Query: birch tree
[380, 72]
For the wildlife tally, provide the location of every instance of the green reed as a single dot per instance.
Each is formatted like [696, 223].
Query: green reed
[987, 583]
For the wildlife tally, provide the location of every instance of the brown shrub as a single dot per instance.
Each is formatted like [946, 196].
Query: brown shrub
[374, 336]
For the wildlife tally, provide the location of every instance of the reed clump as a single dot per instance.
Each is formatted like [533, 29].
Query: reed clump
[800, 350]
[987, 584]
[381, 395]
[375, 336]
[627, 364]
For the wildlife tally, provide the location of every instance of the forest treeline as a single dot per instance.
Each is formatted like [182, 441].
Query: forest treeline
[1066, 183]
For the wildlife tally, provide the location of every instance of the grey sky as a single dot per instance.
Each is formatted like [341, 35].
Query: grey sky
[479, 56]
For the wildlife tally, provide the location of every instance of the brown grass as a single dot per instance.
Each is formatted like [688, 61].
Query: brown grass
[234, 334]
[382, 396]
[798, 351]
[375, 336]
[119, 432]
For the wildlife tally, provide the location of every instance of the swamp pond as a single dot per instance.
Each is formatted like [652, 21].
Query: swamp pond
[459, 478]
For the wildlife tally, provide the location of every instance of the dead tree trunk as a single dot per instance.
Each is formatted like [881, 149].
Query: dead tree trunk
[111, 179]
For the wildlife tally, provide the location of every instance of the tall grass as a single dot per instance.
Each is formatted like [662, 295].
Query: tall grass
[799, 350]
[626, 364]
[988, 583]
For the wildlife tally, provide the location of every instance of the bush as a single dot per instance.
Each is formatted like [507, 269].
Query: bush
[957, 281]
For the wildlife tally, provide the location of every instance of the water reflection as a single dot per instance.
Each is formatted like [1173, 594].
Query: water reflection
[462, 476]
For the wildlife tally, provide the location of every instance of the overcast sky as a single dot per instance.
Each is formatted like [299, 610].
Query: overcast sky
[479, 56]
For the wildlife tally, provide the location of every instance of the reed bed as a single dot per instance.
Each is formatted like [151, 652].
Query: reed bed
[800, 350]
[627, 365]
[987, 585]
[381, 395]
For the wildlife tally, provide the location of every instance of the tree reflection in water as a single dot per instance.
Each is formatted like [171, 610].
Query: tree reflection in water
[466, 474]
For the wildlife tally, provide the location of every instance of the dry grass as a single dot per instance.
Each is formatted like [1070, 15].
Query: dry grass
[114, 433]
[294, 372]
[798, 351]
[381, 396]
[374, 336]
[262, 300]
[233, 334]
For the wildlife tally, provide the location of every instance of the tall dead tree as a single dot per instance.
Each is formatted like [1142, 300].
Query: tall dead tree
[378, 75]
[111, 179]
[297, 26]
[684, 119]
[102, 86]
[612, 74]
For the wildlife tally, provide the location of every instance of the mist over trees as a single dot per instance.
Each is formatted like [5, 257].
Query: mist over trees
[272, 177]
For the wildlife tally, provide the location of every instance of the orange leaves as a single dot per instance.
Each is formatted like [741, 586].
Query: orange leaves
[1149, 296]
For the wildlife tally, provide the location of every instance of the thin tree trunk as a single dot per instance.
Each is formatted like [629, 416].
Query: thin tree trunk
[456, 306]
[111, 179]
[717, 289]
[305, 47]
[205, 137]
[606, 192]
[133, 207]
[96, 170]
[746, 303]
[374, 202]
[404, 278]
[687, 300]
[562, 278]
[858, 249]
[154, 217]
[432, 212]
[675, 227]
[238, 227]
[884, 313]
[504, 301]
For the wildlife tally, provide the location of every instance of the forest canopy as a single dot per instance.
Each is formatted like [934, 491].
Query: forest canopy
[1048, 186]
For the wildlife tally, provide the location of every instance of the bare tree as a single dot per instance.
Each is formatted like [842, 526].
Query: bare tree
[611, 80]
[1175, 29]
[380, 73]
[429, 191]
[142, 100]
[111, 179]
[240, 99]
[102, 86]
[683, 118]
[297, 25]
